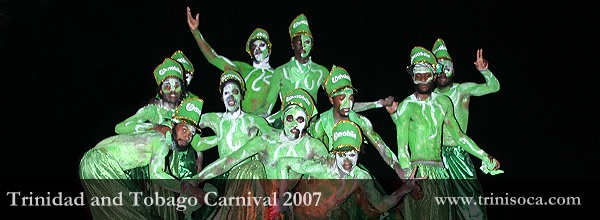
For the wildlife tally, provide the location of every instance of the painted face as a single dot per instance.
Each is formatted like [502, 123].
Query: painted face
[302, 45]
[231, 97]
[171, 89]
[343, 102]
[294, 122]
[424, 82]
[259, 50]
[346, 161]
[182, 135]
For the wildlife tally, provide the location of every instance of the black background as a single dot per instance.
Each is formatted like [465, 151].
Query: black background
[71, 70]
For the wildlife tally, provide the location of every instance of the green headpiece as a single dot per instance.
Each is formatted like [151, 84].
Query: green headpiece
[231, 75]
[184, 61]
[190, 110]
[338, 80]
[299, 26]
[169, 67]
[300, 98]
[440, 51]
[421, 58]
[258, 33]
[347, 136]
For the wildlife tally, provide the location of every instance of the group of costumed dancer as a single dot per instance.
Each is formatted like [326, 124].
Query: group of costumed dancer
[292, 150]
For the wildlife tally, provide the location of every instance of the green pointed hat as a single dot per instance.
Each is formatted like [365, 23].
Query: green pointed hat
[169, 67]
[299, 26]
[300, 98]
[347, 136]
[190, 111]
[440, 51]
[184, 61]
[421, 58]
[231, 75]
[338, 80]
[258, 33]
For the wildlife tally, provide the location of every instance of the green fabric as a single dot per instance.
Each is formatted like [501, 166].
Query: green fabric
[300, 98]
[338, 79]
[184, 61]
[437, 185]
[190, 110]
[440, 51]
[168, 68]
[299, 26]
[346, 136]
[464, 181]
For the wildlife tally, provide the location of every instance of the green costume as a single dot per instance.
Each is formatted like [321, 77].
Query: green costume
[268, 147]
[257, 76]
[420, 120]
[233, 129]
[301, 71]
[103, 169]
[330, 177]
[339, 83]
[456, 159]
[159, 112]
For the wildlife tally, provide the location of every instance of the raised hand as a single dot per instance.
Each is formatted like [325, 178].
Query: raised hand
[192, 23]
[481, 64]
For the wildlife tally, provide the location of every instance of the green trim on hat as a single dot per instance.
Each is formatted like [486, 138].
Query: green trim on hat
[440, 51]
[169, 67]
[231, 75]
[337, 80]
[420, 55]
[347, 136]
[300, 98]
[299, 26]
[184, 61]
[258, 33]
[190, 111]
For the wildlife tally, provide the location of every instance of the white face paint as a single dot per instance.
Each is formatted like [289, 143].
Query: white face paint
[422, 77]
[294, 122]
[261, 51]
[231, 97]
[347, 103]
[346, 161]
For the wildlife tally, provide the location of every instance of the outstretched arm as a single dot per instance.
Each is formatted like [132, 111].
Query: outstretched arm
[144, 119]
[465, 141]
[491, 84]
[363, 106]
[386, 153]
[211, 56]
[223, 164]
[381, 202]
[204, 143]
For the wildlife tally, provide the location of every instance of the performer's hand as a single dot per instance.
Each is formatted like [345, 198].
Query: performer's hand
[497, 166]
[392, 108]
[161, 128]
[481, 64]
[411, 183]
[388, 101]
[417, 194]
[192, 23]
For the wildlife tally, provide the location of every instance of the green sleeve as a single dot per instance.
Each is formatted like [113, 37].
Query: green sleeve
[143, 120]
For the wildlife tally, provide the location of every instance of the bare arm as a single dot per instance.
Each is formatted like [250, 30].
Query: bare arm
[491, 84]
[363, 106]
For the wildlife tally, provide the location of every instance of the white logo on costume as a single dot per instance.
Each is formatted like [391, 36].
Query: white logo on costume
[192, 107]
[287, 99]
[171, 68]
[298, 23]
[345, 133]
[412, 58]
[182, 60]
[338, 77]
